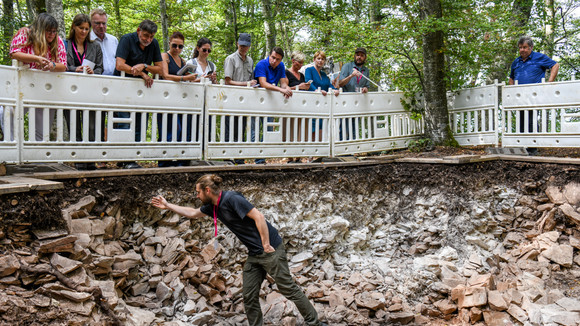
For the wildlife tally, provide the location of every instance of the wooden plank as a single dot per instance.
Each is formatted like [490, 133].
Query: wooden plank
[15, 184]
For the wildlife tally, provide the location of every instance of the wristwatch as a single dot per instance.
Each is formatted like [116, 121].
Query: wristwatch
[145, 69]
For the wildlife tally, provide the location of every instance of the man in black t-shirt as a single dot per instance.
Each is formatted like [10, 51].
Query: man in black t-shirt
[265, 247]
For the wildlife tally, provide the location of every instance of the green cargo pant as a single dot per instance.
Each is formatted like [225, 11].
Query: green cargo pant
[276, 265]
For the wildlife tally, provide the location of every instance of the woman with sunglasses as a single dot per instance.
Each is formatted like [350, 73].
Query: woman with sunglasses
[204, 67]
[40, 47]
[172, 60]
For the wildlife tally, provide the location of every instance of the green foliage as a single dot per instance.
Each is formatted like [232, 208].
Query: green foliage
[420, 145]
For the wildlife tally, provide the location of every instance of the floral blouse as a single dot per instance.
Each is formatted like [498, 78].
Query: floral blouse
[19, 45]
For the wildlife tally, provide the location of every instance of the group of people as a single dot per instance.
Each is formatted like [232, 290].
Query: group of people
[90, 49]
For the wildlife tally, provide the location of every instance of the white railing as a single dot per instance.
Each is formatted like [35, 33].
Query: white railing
[541, 115]
[100, 118]
[372, 122]
[473, 115]
[57, 117]
[246, 122]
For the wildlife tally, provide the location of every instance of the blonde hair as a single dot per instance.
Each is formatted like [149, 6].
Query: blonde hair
[298, 56]
[212, 181]
[320, 54]
[37, 36]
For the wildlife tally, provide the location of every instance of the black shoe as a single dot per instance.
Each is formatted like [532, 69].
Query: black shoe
[131, 165]
[239, 162]
[260, 161]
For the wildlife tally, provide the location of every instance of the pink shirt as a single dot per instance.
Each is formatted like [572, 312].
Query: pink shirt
[19, 45]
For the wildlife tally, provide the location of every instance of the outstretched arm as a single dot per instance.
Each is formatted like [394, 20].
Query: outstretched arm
[260, 221]
[188, 212]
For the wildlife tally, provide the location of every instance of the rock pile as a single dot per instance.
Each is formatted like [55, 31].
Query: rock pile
[500, 256]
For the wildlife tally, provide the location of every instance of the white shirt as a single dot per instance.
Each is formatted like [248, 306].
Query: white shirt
[109, 48]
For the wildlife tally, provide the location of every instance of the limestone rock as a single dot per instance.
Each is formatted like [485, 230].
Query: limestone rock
[560, 254]
[518, 313]
[472, 297]
[189, 308]
[139, 317]
[569, 304]
[445, 306]
[572, 214]
[63, 264]
[401, 317]
[496, 301]
[572, 193]
[496, 318]
[555, 195]
[8, 265]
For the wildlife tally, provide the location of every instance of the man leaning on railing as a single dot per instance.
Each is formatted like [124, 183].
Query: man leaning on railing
[135, 53]
[529, 68]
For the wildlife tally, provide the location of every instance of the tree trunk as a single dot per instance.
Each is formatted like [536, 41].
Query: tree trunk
[549, 29]
[436, 115]
[231, 20]
[54, 7]
[269, 25]
[119, 21]
[35, 7]
[521, 11]
[7, 27]
[164, 28]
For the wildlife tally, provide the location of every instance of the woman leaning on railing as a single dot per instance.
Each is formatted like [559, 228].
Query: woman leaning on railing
[39, 47]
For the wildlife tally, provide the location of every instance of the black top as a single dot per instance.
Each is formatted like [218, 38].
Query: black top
[232, 211]
[292, 80]
[129, 50]
[172, 67]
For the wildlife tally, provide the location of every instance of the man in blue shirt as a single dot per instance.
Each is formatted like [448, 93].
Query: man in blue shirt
[530, 67]
[270, 71]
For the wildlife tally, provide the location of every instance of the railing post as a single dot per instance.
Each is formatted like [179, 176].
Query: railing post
[331, 125]
[496, 110]
[19, 115]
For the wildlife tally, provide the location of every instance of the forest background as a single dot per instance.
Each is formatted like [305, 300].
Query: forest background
[413, 45]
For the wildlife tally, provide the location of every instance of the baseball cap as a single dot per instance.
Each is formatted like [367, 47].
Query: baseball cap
[363, 50]
[245, 39]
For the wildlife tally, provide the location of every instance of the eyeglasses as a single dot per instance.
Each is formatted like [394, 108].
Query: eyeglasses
[206, 50]
[51, 31]
[100, 23]
[175, 46]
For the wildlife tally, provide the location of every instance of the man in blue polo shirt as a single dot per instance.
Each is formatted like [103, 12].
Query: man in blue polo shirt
[529, 68]
[270, 71]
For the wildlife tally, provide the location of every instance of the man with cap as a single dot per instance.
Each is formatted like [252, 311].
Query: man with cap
[351, 74]
[238, 71]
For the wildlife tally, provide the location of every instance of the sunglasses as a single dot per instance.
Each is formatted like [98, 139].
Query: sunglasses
[175, 46]
[206, 50]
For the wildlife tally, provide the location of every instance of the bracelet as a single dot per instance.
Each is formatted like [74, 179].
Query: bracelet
[181, 78]
[53, 65]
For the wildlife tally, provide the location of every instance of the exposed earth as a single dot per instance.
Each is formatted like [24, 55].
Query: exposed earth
[397, 238]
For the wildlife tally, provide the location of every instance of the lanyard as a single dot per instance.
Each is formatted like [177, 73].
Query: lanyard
[358, 78]
[77, 52]
[215, 213]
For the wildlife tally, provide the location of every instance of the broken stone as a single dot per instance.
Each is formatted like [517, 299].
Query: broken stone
[63, 264]
[445, 306]
[472, 297]
[163, 292]
[8, 265]
[518, 313]
[496, 301]
[303, 256]
[555, 195]
[401, 317]
[560, 254]
[572, 193]
[569, 304]
[475, 315]
[571, 213]
[127, 261]
[496, 318]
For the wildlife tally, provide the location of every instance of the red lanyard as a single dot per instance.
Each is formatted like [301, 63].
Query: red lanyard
[77, 52]
[215, 213]
[358, 78]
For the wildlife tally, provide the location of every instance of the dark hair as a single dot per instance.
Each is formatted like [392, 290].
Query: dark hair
[526, 39]
[77, 21]
[178, 35]
[278, 50]
[148, 26]
[201, 42]
[212, 181]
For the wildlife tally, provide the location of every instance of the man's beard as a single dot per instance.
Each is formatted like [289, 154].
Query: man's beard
[359, 62]
[145, 44]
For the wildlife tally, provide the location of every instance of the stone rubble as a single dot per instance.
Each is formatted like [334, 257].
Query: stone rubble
[493, 262]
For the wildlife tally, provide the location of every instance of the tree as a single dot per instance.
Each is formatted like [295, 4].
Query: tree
[54, 7]
[164, 29]
[436, 116]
